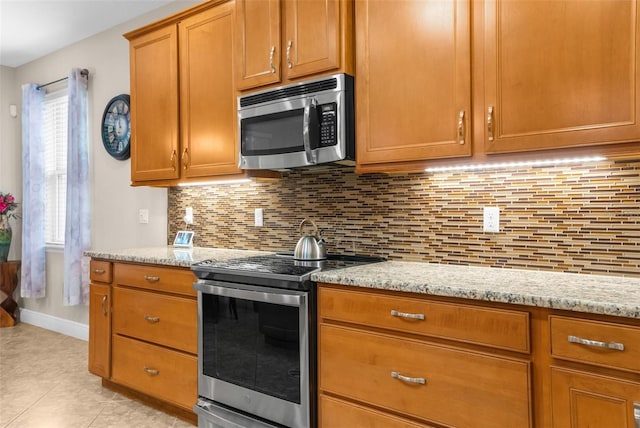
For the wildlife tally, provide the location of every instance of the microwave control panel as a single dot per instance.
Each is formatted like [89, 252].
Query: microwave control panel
[328, 124]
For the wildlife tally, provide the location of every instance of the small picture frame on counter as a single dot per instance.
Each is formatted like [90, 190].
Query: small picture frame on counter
[183, 239]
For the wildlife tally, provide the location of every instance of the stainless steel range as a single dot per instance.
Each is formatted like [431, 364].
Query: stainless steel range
[257, 340]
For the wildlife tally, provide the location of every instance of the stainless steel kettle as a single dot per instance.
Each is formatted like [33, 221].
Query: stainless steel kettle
[310, 246]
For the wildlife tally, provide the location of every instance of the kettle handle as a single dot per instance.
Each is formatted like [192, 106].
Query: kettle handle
[312, 223]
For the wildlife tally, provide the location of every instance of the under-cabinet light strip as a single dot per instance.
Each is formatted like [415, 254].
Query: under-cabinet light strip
[213, 182]
[504, 165]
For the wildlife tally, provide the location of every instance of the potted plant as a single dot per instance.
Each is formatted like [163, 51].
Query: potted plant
[8, 205]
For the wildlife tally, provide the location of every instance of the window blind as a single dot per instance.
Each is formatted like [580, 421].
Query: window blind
[55, 141]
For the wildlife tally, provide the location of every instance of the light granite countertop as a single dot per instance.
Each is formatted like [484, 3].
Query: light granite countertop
[171, 256]
[597, 294]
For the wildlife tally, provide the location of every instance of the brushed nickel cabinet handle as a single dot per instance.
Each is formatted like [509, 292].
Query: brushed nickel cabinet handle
[185, 158]
[152, 319]
[490, 123]
[104, 305]
[273, 51]
[289, 63]
[152, 372]
[461, 127]
[99, 271]
[399, 314]
[418, 380]
[596, 343]
[174, 155]
[152, 278]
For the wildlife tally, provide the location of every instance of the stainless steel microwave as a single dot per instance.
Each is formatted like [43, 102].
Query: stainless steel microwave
[297, 125]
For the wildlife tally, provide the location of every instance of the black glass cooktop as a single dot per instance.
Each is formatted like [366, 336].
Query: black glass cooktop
[279, 270]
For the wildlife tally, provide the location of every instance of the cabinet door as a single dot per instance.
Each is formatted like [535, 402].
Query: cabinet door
[582, 400]
[413, 94]
[207, 93]
[560, 74]
[257, 43]
[154, 105]
[100, 330]
[312, 37]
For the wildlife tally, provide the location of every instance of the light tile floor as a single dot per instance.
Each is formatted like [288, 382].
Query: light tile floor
[44, 383]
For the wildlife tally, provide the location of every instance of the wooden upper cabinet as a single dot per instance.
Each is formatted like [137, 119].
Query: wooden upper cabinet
[258, 43]
[317, 38]
[413, 85]
[207, 93]
[312, 37]
[560, 74]
[183, 100]
[154, 105]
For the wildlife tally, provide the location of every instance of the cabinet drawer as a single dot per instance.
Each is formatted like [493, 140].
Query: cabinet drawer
[336, 413]
[504, 329]
[162, 373]
[566, 333]
[462, 388]
[159, 318]
[100, 271]
[172, 280]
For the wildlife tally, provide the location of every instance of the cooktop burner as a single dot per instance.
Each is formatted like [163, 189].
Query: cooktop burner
[275, 270]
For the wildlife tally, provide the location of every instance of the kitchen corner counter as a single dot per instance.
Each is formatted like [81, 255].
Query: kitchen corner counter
[170, 256]
[607, 295]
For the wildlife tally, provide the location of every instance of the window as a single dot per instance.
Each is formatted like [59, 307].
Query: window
[55, 142]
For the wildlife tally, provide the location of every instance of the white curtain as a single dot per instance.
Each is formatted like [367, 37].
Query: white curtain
[77, 228]
[33, 272]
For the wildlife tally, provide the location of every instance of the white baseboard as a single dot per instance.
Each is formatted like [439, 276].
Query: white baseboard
[60, 325]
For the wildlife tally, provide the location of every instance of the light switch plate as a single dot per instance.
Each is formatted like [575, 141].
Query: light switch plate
[259, 217]
[143, 216]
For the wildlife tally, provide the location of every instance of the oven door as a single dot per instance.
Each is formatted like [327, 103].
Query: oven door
[253, 350]
[295, 132]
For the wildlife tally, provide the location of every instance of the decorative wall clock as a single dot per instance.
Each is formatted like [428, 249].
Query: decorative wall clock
[116, 127]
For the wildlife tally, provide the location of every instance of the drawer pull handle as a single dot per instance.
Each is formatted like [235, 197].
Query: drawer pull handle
[395, 313]
[99, 271]
[152, 278]
[408, 379]
[152, 372]
[152, 319]
[597, 344]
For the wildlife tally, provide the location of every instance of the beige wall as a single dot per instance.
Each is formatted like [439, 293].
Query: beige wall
[115, 203]
[10, 152]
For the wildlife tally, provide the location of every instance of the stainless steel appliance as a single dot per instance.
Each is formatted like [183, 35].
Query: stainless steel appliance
[302, 124]
[256, 340]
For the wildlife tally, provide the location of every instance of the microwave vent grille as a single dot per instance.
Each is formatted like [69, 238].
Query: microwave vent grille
[289, 91]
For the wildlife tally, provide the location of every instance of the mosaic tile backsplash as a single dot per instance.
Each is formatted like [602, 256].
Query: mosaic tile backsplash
[583, 219]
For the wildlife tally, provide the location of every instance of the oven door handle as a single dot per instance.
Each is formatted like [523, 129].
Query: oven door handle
[254, 293]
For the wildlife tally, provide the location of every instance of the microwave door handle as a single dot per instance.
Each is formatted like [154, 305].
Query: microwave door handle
[306, 135]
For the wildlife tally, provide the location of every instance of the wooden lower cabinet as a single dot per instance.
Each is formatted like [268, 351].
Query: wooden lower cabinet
[374, 374]
[143, 333]
[100, 329]
[583, 400]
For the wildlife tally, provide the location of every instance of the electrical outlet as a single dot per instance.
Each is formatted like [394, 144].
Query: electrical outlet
[491, 219]
[259, 217]
[143, 216]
